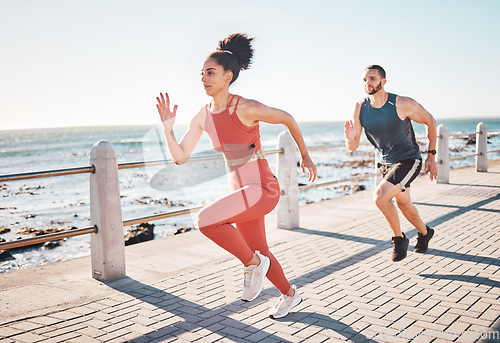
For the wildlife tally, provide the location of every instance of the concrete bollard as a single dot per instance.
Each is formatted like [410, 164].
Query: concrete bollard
[443, 155]
[288, 206]
[481, 148]
[107, 245]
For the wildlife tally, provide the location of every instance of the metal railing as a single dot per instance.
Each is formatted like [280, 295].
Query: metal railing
[19, 243]
[469, 135]
[443, 153]
[329, 183]
[287, 210]
[46, 173]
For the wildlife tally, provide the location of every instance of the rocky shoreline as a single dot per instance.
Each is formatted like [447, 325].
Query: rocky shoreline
[146, 231]
[135, 234]
[138, 233]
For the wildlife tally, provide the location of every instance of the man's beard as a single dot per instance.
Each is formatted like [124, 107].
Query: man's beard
[376, 89]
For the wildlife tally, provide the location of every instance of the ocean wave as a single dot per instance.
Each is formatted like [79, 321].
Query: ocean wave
[132, 141]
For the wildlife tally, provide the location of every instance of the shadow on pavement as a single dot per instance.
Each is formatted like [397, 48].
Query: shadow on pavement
[323, 321]
[465, 278]
[474, 185]
[193, 316]
[413, 232]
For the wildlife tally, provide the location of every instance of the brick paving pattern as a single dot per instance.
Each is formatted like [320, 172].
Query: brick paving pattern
[352, 291]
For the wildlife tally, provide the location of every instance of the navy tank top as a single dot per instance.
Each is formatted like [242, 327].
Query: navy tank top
[393, 138]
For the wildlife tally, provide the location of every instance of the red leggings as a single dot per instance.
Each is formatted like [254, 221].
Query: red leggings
[255, 193]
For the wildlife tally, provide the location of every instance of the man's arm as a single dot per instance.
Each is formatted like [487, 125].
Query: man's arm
[353, 129]
[409, 108]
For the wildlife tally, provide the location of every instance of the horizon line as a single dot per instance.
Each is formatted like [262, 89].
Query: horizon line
[186, 123]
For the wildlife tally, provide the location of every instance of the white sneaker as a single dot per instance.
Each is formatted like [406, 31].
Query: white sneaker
[254, 278]
[285, 304]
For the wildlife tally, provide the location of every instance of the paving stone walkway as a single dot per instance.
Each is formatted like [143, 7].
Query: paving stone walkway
[340, 261]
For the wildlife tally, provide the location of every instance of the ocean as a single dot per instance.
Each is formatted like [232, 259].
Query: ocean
[63, 202]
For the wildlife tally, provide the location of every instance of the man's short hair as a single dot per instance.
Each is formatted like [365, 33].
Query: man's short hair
[379, 68]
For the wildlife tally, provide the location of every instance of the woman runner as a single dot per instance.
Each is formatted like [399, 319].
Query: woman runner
[236, 221]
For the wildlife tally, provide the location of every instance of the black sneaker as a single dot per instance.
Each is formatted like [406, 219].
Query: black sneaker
[400, 248]
[423, 241]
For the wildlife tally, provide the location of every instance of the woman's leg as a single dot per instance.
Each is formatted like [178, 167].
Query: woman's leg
[241, 205]
[254, 234]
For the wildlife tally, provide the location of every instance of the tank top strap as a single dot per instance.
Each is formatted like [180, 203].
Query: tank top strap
[236, 106]
[391, 97]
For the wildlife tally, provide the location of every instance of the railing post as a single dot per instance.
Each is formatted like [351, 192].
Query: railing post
[288, 206]
[481, 148]
[107, 245]
[443, 155]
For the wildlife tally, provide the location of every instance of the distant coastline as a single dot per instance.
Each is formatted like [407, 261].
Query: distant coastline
[185, 123]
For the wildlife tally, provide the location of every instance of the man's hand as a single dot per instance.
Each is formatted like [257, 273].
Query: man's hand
[431, 166]
[349, 130]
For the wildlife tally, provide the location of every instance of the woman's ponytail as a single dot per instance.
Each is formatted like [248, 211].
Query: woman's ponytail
[234, 53]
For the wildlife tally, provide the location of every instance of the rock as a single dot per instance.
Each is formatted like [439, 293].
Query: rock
[5, 255]
[182, 230]
[41, 232]
[471, 140]
[352, 164]
[141, 233]
[354, 188]
[358, 188]
[4, 230]
[25, 231]
[52, 245]
[38, 232]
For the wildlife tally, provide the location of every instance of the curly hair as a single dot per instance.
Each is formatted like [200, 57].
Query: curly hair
[234, 53]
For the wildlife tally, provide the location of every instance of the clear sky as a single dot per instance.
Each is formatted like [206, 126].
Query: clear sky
[103, 62]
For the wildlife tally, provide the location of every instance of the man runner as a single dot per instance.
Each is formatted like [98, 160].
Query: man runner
[386, 118]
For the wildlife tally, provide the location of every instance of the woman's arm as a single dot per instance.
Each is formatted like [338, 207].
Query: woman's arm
[180, 152]
[251, 112]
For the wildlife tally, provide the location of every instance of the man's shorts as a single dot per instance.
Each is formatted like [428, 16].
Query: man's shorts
[403, 172]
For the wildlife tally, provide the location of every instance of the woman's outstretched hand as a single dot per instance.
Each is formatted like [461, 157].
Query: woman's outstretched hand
[308, 164]
[167, 116]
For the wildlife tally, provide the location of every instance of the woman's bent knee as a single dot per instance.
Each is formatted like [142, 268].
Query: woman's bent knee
[202, 222]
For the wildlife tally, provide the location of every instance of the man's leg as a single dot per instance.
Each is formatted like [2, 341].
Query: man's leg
[382, 197]
[410, 212]
[403, 200]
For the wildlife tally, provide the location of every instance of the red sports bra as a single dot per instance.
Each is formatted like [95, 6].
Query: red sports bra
[230, 136]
